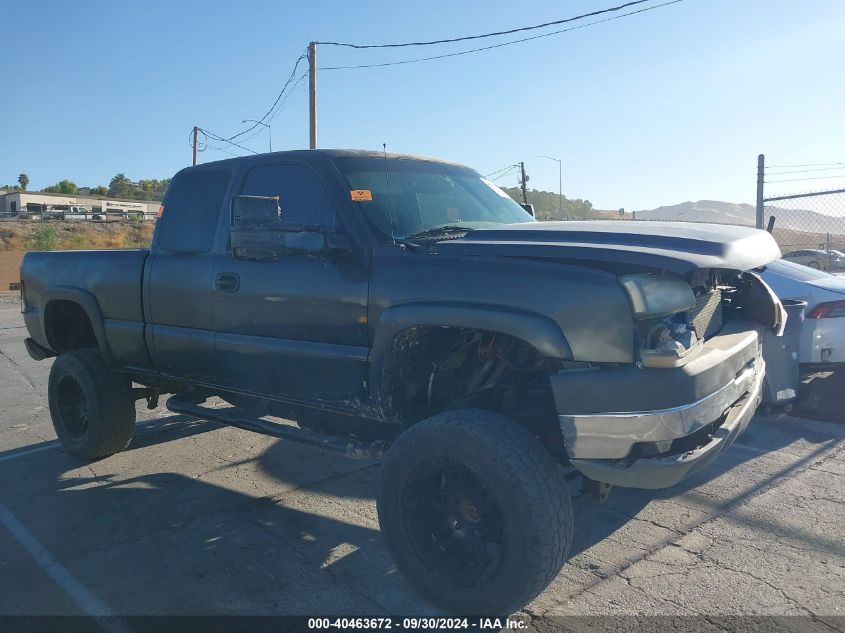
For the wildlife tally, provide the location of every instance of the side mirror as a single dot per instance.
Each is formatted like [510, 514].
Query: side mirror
[528, 207]
[256, 210]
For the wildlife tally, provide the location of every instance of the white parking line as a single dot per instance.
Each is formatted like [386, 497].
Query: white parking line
[38, 449]
[87, 601]
[143, 430]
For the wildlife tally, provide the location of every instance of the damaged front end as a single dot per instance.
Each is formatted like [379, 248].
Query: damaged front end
[675, 317]
[694, 386]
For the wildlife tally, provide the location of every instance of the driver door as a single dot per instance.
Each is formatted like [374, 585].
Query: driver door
[293, 329]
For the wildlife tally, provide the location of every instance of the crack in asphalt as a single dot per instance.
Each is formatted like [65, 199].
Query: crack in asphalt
[16, 366]
[774, 482]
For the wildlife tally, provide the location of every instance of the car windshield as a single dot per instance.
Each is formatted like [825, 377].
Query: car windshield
[424, 196]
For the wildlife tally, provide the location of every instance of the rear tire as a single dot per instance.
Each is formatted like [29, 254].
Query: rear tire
[91, 406]
[476, 512]
[815, 265]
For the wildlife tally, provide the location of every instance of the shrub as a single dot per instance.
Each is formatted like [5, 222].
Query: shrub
[45, 237]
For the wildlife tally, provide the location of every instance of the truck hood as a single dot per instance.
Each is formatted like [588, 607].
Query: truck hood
[679, 247]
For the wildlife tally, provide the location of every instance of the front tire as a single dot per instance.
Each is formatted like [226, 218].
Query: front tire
[476, 512]
[91, 406]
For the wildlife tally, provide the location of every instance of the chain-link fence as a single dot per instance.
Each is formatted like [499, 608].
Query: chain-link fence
[809, 226]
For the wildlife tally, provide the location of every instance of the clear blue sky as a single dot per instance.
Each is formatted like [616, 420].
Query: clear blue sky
[658, 108]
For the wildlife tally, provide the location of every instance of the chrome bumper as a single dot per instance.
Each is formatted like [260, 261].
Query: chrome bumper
[597, 444]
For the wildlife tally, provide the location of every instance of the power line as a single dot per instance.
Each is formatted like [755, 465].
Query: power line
[487, 48]
[504, 174]
[204, 145]
[805, 171]
[493, 173]
[804, 165]
[281, 99]
[478, 37]
[278, 111]
[219, 149]
[276, 102]
[217, 137]
[810, 178]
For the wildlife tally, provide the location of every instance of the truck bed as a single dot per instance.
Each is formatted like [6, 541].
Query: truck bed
[107, 282]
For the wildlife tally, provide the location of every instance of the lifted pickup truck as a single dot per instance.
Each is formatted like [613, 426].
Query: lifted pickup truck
[405, 308]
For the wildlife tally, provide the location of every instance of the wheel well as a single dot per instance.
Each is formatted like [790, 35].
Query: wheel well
[430, 369]
[68, 327]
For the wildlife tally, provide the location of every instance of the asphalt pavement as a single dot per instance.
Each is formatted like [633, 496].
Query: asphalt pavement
[195, 518]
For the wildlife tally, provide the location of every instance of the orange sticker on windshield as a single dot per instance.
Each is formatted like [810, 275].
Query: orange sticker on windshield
[361, 195]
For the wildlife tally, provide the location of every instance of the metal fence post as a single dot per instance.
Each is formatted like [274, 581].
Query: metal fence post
[761, 169]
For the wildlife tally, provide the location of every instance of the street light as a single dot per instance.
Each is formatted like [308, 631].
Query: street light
[559, 183]
[269, 133]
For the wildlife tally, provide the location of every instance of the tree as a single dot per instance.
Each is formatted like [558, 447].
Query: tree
[23, 181]
[121, 187]
[65, 186]
[546, 205]
[151, 189]
[99, 191]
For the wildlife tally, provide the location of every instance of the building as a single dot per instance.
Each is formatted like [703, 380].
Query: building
[33, 205]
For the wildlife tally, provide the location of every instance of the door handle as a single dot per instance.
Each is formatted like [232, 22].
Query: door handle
[227, 282]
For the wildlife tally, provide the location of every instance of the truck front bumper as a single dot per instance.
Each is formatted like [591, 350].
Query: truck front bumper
[658, 447]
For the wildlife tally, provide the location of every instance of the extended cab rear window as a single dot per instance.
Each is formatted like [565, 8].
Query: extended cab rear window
[191, 210]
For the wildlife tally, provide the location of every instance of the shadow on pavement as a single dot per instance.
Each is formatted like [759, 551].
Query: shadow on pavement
[194, 543]
[179, 531]
[820, 395]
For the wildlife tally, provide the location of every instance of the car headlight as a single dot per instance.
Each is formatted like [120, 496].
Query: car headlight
[653, 296]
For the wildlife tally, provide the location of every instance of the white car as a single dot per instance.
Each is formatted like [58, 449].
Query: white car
[823, 334]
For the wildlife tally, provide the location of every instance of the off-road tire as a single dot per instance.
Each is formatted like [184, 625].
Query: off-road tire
[106, 396]
[526, 484]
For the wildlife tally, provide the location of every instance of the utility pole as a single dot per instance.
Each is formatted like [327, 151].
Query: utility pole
[522, 182]
[312, 94]
[761, 171]
[196, 133]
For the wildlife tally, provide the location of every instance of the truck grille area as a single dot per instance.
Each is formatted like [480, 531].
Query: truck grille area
[707, 316]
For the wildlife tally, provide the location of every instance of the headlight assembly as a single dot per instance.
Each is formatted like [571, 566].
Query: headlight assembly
[653, 296]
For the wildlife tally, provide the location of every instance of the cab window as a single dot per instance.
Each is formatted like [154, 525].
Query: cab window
[191, 209]
[302, 197]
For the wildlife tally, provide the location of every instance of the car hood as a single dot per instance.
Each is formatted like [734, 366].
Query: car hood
[678, 247]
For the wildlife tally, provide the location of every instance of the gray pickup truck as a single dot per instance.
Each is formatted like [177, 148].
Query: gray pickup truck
[406, 309]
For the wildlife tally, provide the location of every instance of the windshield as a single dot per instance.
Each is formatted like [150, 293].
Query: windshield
[426, 195]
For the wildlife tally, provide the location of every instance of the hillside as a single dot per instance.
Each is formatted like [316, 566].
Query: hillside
[792, 219]
[703, 211]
